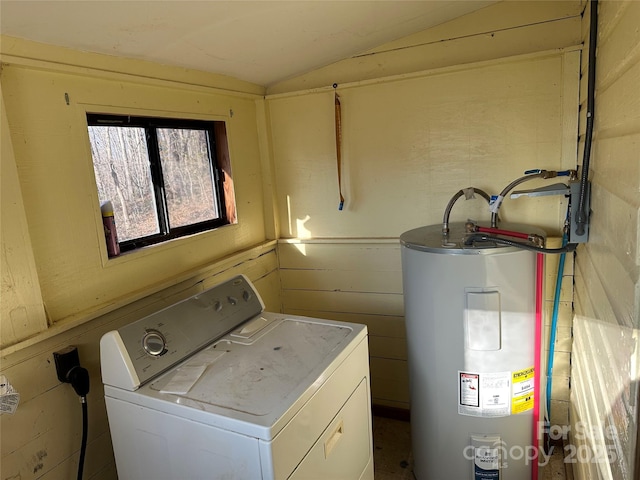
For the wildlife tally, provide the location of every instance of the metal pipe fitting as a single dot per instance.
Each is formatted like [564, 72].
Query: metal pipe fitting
[447, 210]
[530, 175]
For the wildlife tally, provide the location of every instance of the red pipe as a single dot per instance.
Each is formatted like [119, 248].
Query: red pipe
[507, 233]
[537, 362]
[537, 355]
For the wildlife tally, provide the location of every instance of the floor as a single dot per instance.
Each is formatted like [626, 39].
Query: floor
[393, 458]
[392, 449]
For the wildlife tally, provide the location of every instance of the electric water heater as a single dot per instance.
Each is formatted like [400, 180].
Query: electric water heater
[470, 320]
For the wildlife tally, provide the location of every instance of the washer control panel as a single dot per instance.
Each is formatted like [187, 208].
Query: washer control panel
[158, 341]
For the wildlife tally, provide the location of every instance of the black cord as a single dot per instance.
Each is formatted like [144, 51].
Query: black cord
[581, 212]
[79, 379]
[85, 431]
[481, 237]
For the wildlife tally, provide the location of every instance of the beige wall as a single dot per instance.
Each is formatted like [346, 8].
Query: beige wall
[607, 290]
[410, 141]
[53, 253]
[53, 160]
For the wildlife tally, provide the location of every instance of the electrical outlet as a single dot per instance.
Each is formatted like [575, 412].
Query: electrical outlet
[66, 359]
[69, 370]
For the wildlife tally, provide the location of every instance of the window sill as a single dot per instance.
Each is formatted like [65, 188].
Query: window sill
[157, 248]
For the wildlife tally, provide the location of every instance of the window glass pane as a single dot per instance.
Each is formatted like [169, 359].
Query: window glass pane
[188, 177]
[121, 165]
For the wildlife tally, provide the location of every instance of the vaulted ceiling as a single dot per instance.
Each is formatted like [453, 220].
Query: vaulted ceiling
[263, 42]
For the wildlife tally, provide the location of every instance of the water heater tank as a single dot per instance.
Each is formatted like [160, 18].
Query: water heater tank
[470, 320]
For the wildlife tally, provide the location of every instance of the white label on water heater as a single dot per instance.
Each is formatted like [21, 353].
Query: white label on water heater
[486, 458]
[484, 394]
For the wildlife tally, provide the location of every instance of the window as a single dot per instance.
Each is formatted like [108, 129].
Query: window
[166, 178]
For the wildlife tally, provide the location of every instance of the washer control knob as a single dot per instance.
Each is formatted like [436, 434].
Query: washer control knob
[232, 300]
[246, 295]
[217, 305]
[154, 343]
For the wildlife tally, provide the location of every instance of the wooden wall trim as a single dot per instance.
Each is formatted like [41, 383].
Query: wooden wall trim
[431, 72]
[194, 276]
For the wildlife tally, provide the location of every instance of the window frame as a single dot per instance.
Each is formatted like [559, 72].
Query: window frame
[150, 126]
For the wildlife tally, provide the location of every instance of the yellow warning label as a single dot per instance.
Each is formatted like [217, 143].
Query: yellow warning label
[522, 392]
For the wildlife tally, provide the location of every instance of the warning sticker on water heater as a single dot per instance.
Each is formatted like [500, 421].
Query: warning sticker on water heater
[484, 394]
[469, 389]
[523, 383]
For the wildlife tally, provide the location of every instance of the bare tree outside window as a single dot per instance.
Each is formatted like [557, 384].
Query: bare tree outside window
[121, 166]
[162, 176]
[187, 176]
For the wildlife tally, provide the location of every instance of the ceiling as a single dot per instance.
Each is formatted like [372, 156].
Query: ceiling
[263, 42]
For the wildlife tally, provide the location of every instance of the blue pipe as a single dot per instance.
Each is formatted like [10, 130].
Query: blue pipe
[554, 324]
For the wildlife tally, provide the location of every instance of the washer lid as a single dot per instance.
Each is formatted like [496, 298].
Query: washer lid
[258, 378]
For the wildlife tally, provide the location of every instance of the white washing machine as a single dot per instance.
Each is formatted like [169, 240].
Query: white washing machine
[213, 387]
